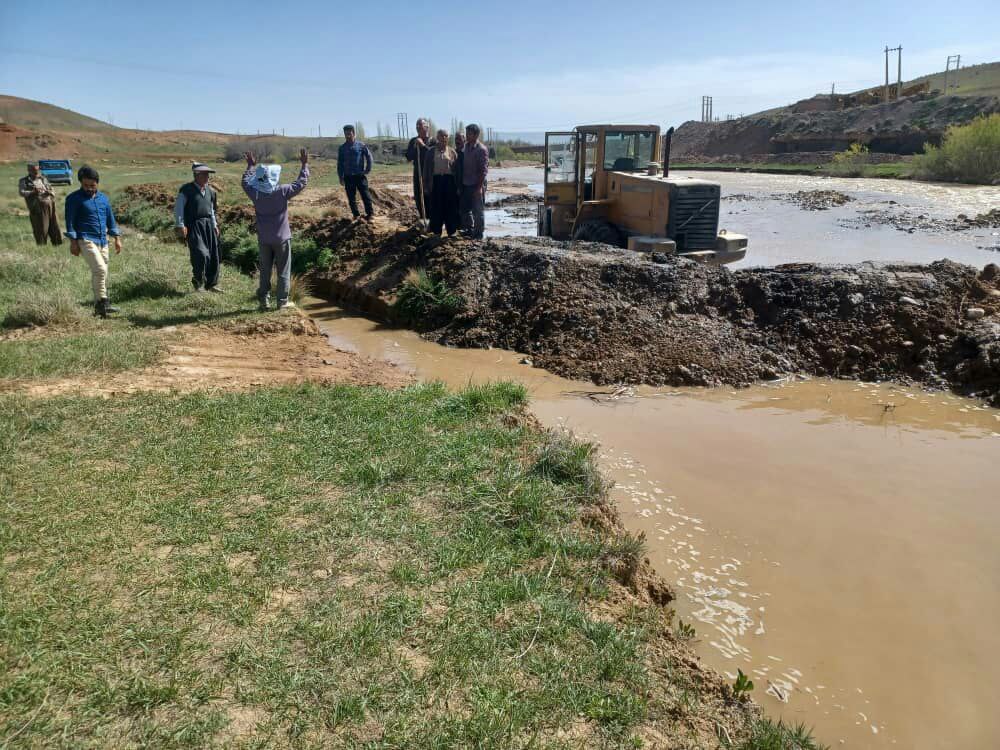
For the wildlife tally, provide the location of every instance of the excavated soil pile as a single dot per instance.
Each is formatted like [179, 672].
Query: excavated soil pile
[612, 316]
[387, 202]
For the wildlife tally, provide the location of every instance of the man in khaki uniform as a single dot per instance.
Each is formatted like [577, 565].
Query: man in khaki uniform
[41, 201]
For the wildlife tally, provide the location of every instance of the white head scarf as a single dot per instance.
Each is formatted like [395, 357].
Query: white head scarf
[267, 177]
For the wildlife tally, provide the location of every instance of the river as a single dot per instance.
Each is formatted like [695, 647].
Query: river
[837, 541]
[781, 232]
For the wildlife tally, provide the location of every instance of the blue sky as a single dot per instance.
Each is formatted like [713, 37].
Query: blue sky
[513, 65]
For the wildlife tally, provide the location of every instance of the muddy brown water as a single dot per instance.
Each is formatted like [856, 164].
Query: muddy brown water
[836, 541]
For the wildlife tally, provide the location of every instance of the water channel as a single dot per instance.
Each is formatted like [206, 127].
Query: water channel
[837, 541]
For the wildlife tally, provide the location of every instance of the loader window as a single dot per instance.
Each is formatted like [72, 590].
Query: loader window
[560, 157]
[626, 152]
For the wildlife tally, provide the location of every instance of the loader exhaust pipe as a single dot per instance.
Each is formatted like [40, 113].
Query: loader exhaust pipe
[666, 151]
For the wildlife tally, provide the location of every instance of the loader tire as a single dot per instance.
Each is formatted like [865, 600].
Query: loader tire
[598, 231]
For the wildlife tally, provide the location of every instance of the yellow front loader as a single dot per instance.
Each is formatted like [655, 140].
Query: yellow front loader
[603, 184]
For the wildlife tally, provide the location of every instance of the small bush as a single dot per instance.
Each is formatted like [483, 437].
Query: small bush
[148, 218]
[238, 246]
[145, 283]
[299, 288]
[776, 735]
[424, 300]
[16, 269]
[968, 153]
[308, 256]
[565, 460]
[850, 163]
[59, 307]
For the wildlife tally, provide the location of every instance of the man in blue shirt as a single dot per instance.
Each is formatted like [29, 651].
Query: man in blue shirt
[89, 221]
[354, 162]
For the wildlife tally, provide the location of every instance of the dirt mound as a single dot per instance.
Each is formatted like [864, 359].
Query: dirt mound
[386, 201]
[609, 315]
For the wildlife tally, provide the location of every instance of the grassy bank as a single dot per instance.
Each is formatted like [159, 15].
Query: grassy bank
[322, 567]
[48, 289]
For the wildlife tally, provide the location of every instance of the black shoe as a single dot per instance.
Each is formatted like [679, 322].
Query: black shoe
[103, 308]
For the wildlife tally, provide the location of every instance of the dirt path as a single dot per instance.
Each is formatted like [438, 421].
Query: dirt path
[282, 350]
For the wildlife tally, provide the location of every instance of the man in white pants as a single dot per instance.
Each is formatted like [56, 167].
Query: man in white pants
[89, 222]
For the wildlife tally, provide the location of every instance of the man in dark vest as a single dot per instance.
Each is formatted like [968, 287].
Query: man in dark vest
[41, 200]
[196, 221]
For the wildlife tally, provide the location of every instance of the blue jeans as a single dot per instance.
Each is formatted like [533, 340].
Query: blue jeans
[279, 257]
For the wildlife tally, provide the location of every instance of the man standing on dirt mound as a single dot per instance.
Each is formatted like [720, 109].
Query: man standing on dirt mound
[41, 200]
[89, 221]
[274, 237]
[416, 151]
[354, 162]
[198, 224]
[475, 165]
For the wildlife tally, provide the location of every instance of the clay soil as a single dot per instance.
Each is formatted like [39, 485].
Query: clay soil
[283, 350]
[612, 316]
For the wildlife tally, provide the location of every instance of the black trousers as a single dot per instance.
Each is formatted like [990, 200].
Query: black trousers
[355, 183]
[204, 246]
[45, 222]
[444, 204]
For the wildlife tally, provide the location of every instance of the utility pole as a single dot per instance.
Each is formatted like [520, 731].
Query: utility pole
[402, 125]
[957, 59]
[885, 89]
[706, 109]
[832, 87]
[899, 71]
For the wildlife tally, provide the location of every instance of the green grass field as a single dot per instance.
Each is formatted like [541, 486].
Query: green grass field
[48, 288]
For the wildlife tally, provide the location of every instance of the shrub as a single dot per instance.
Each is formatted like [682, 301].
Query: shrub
[59, 307]
[146, 217]
[968, 153]
[308, 256]
[850, 163]
[149, 283]
[238, 246]
[767, 734]
[299, 288]
[424, 300]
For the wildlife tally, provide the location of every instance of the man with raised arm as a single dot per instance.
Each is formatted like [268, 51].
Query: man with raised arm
[274, 236]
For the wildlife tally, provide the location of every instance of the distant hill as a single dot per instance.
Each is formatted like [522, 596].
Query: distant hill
[975, 80]
[32, 130]
[31, 115]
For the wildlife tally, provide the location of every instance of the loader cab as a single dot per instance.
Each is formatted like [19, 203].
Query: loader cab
[599, 187]
[577, 165]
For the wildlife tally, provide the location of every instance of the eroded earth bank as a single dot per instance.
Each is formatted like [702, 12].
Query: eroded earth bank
[594, 312]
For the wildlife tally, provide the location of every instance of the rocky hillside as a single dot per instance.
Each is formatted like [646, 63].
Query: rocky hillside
[901, 127]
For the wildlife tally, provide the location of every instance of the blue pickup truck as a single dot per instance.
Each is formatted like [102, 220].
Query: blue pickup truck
[56, 171]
